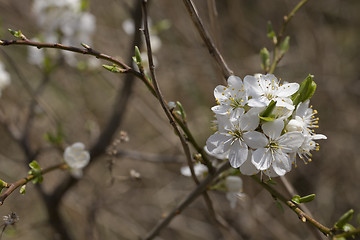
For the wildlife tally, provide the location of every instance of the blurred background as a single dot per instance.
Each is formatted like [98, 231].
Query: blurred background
[109, 202]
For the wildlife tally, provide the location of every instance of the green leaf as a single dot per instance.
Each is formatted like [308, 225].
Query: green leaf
[34, 165]
[267, 119]
[306, 90]
[138, 59]
[266, 113]
[271, 33]
[348, 227]
[307, 198]
[113, 68]
[265, 59]
[56, 138]
[284, 47]
[296, 199]
[36, 172]
[278, 204]
[344, 219]
[182, 111]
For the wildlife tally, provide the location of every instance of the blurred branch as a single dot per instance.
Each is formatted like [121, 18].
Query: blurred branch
[190, 198]
[13, 186]
[214, 52]
[301, 214]
[150, 157]
[279, 37]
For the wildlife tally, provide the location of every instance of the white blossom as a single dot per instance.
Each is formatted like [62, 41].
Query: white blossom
[76, 157]
[234, 186]
[4, 78]
[199, 170]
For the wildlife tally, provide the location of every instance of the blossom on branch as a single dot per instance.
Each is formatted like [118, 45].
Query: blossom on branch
[260, 128]
[4, 77]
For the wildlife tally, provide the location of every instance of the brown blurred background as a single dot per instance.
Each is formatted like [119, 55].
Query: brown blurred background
[325, 37]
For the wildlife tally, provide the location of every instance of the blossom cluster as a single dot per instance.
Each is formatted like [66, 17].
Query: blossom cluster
[263, 125]
[65, 22]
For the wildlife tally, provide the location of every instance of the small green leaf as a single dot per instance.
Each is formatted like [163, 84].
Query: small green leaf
[348, 227]
[344, 219]
[278, 204]
[284, 47]
[138, 59]
[23, 189]
[296, 199]
[267, 119]
[266, 113]
[307, 198]
[34, 165]
[265, 59]
[306, 90]
[271, 33]
[182, 111]
[113, 68]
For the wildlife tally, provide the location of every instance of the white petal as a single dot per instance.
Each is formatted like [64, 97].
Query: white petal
[287, 90]
[261, 158]
[249, 122]
[318, 136]
[248, 168]
[257, 103]
[282, 163]
[215, 143]
[221, 109]
[219, 92]
[238, 154]
[273, 129]
[290, 142]
[255, 139]
[302, 108]
[252, 86]
[235, 82]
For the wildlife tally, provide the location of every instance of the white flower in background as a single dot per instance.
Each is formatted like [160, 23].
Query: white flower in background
[265, 88]
[4, 78]
[64, 22]
[275, 153]
[76, 157]
[230, 99]
[234, 186]
[199, 169]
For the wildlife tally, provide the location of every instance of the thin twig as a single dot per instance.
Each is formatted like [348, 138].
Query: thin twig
[214, 52]
[276, 58]
[190, 198]
[304, 217]
[13, 186]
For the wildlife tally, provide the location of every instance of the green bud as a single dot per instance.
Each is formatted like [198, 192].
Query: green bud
[23, 189]
[182, 111]
[36, 172]
[85, 46]
[265, 59]
[113, 68]
[284, 47]
[138, 59]
[344, 219]
[17, 34]
[306, 90]
[271, 33]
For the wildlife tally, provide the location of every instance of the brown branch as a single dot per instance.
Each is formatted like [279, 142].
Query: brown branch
[276, 58]
[214, 52]
[304, 217]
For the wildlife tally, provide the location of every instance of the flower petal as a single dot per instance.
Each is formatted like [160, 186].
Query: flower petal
[273, 129]
[287, 90]
[261, 158]
[238, 154]
[255, 139]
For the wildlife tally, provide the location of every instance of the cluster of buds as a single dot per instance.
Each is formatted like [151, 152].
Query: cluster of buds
[263, 125]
